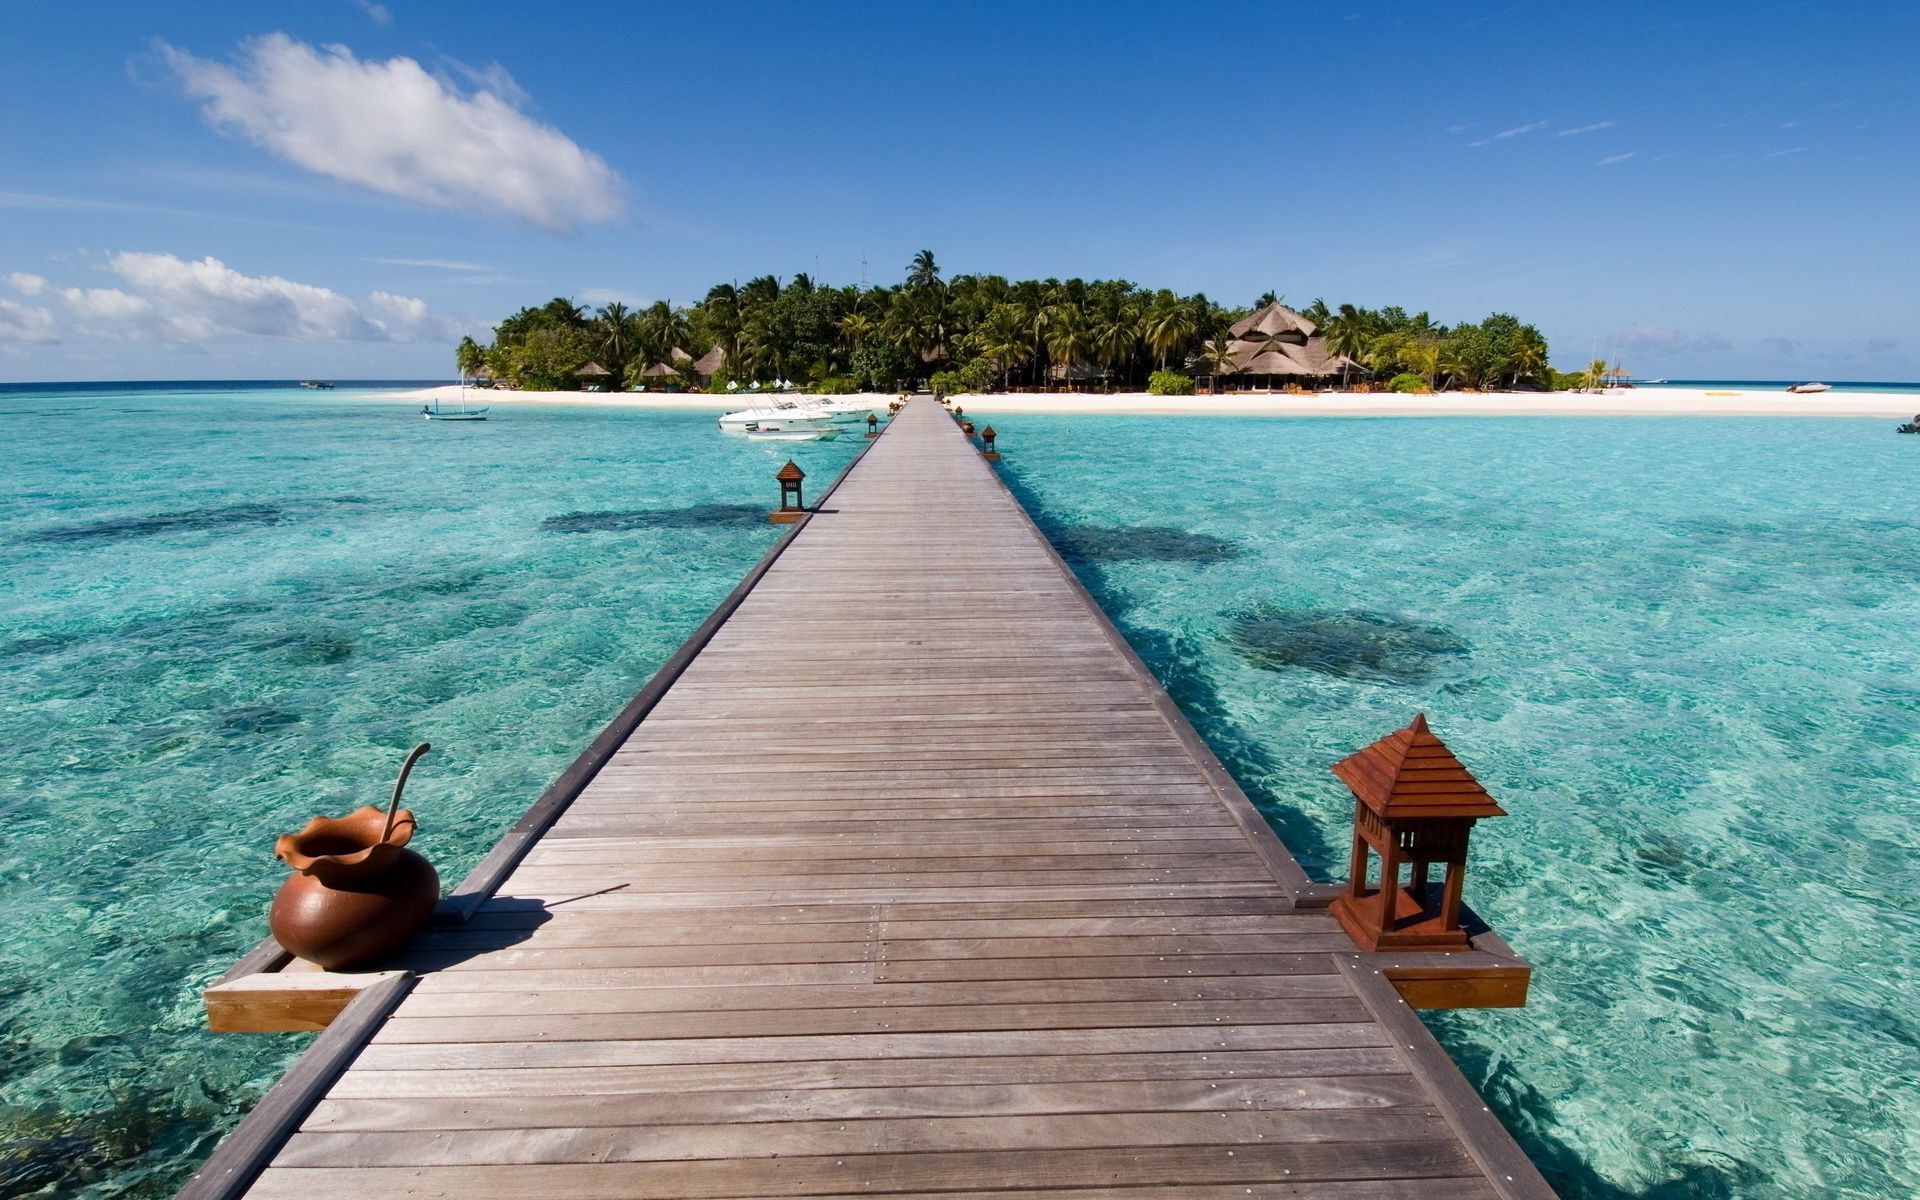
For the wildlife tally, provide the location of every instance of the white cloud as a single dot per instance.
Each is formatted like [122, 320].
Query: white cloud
[1518, 130]
[169, 299]
[379, 14]
[20, 324]
[1611, 159]
[395, 128]
[1596, 127]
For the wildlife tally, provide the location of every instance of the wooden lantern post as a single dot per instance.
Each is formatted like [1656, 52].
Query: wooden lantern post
[873, 425]
[986, 448]
[1414, 804]
[791, 506]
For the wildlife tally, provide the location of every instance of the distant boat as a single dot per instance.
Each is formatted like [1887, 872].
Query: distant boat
[433, 412]
[321, 385]
[1808, 389]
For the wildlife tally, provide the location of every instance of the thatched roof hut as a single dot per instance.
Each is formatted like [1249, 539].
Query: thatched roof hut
[707, 364]
[1275, 342]
[592, 370]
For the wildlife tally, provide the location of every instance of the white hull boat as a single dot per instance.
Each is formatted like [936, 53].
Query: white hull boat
[1810, 389]
[774, 419]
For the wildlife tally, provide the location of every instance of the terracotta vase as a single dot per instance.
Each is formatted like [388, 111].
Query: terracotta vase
[352, 898]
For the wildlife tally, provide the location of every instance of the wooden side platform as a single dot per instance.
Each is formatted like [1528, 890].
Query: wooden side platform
[910, 881]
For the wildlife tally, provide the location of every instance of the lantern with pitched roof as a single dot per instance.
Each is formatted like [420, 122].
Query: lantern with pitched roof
[1414, 806]
[791, 508]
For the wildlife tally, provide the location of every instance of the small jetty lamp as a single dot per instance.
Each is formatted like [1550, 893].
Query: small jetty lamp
[1414, 805]
[986, 448]
[791, 506]
[873, 425]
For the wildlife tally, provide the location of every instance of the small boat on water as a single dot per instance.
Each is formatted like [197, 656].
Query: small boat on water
[321, 385]
[1809, 389]
[791, 435]
[434, 412]
[774, 418]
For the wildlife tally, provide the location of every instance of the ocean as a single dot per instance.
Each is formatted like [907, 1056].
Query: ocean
[1678, 651]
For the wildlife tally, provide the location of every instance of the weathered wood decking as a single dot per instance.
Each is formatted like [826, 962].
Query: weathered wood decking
[911, 882]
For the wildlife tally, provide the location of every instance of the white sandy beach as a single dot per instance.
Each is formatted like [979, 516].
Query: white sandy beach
[1614, 402]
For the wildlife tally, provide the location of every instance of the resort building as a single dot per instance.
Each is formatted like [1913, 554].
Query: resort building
[1274, 346]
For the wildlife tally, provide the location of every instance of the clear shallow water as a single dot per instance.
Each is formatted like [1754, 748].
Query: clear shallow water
[222, 612]
[1680, 652]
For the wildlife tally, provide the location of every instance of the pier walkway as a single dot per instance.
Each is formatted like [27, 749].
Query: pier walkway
[912, 881]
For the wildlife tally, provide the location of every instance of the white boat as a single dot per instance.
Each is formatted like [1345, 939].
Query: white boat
[1809, 389]
[845, 410]
[776, 417]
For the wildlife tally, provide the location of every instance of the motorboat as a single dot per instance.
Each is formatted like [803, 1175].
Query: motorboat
[846, 410]
[317, 385]
[1810, 389]
[775, 418]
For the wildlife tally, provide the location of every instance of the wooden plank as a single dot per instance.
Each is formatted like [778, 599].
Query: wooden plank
[528, 1084]
[285, 1001]
[1167, 1166]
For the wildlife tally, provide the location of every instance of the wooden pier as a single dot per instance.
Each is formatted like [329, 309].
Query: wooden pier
[903, 878]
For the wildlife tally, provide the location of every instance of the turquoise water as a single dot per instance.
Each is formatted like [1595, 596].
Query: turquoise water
[225, 612]
[1681, 652]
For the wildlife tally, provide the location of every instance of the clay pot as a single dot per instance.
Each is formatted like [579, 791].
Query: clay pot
[352, 898]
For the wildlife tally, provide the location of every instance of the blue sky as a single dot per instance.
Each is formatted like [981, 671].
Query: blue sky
[341, 188]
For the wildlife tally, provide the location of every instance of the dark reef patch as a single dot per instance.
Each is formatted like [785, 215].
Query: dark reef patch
[1347, 644]
[693, 516]
[256, 719]
[189, 520]
[1151, 543]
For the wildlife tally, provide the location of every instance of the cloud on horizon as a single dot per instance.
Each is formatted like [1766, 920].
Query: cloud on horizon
[168, 299]
[395, 128]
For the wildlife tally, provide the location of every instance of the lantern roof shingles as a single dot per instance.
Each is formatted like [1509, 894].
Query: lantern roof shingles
[1410, 774]
[791, 473]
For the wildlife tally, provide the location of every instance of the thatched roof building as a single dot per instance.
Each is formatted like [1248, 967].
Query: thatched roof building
[708, 363]
[1276, 343]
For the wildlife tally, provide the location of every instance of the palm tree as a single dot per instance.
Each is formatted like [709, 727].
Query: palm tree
[1218, 355]
[1168, 327]
[855, 328]
[1002, 340]
[1347, 337]
[722, 315]
[469, 358]
[1113, 338]
[923, 271]
[666, 329]
[1529, 355]
[1422, 356]
[1066, 337]
[1596, 374]
[615, 335]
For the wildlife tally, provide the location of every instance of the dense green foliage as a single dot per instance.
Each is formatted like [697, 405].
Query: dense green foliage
[980, 332]
[1407, 382]
[1170, 383]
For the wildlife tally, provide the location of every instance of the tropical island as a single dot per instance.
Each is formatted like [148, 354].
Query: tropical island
[986, 333]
